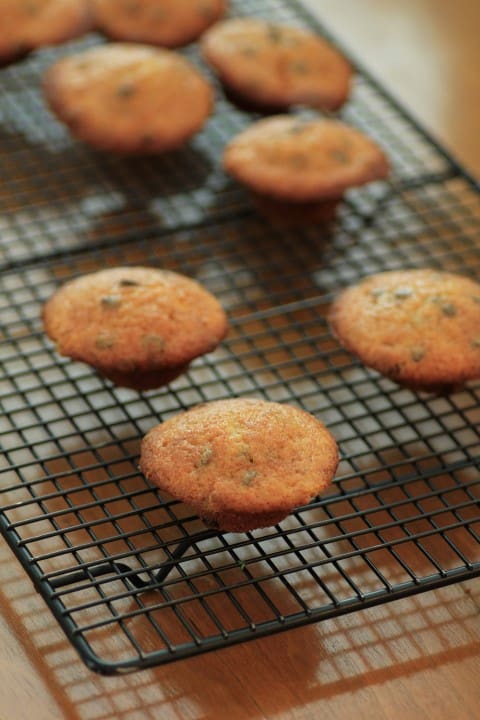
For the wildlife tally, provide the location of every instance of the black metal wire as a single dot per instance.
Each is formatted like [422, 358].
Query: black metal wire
[134, 579]
[114, 560]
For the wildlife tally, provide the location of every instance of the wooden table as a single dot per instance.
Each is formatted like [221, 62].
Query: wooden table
[426, 52]
[415, 658]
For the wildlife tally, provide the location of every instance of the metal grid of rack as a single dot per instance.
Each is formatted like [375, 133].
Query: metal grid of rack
[403, 513]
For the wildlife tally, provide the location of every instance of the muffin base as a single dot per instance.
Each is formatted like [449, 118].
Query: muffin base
[242, 522]
[296, 213]
[15, 56]
[248, 103]
[446, 388]
[145, 379]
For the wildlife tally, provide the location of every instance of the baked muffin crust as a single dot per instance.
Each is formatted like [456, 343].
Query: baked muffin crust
[139, 326]
[29, 24]
[129, 98]
[168, 23]
[241, 463]
[298, 160]
[272, 65]
[421, 328]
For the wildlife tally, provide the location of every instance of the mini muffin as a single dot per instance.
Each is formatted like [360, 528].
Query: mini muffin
[306, 164]
[138, 326]
[421, 328]
[29, 24]
[271, 66]
[240, 463]
[169, 23]
[129, 98]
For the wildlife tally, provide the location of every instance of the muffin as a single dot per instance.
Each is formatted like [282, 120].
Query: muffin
[421, 328]
[269, 66]
[169, 23]
[138, 326]
[30, 24]
[302, 164]
[129, 98]
[240, 463]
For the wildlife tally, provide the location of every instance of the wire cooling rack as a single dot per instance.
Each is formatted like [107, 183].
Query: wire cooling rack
[128, 573]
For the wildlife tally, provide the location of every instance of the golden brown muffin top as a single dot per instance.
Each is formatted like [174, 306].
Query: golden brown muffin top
[28, 24]
[305, 160]
[170, 23]
[277, 64]
[243, 456]
[134, 318]
[419, 327]
[129, 97]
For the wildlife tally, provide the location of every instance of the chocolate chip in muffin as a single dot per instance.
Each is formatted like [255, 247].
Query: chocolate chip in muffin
[426, 340]
[138, 326]
[194, 456]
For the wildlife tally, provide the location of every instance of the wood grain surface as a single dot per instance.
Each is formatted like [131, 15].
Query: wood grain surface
[426, 52]
[414, 658]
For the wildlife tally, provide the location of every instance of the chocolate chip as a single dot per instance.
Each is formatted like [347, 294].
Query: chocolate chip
[417, 354]
[403, 292]
[111, 301]
[449, 310]
[248, 477]
[103, 342]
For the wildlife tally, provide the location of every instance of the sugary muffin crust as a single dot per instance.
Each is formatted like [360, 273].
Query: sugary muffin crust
[29, 24]
[241, 463]
[169, 23]
[129, 98]
[421, 328]
[139, 326]
[277, 66]
[300, 160]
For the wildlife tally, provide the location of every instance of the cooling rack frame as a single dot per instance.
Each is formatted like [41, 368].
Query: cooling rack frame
[402, 516]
